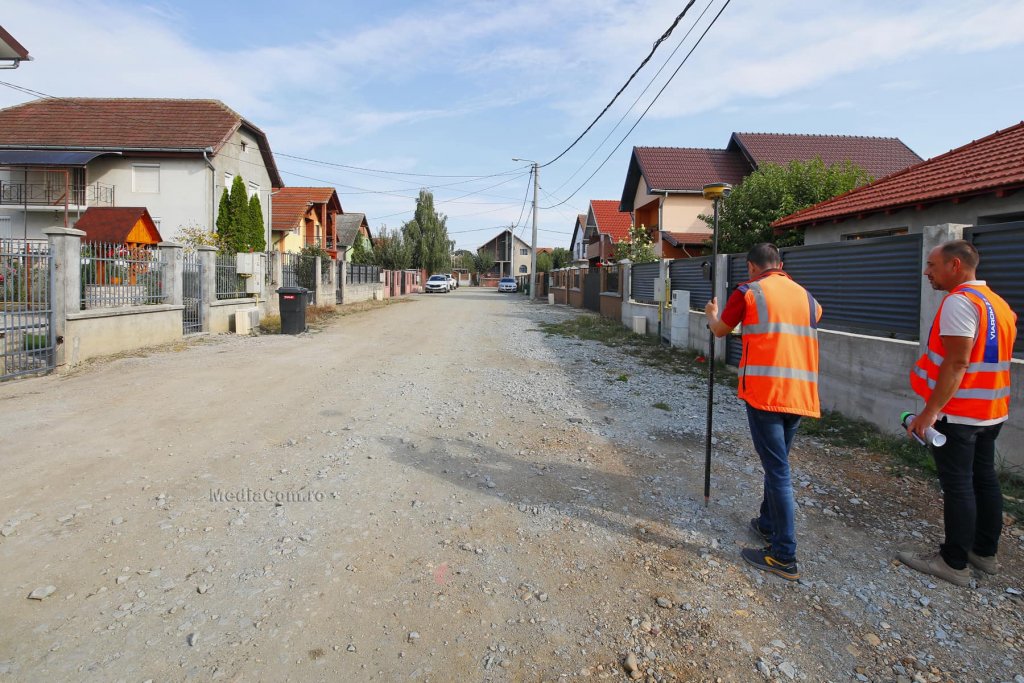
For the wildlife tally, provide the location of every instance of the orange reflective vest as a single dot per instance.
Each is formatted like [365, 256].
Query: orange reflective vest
[984, 391]
[779, 366]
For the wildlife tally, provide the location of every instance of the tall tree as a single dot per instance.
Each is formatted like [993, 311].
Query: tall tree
[771, 192]
[544, 262]
[427, 236]
[224, 222]
[240, 219]
[256, 239]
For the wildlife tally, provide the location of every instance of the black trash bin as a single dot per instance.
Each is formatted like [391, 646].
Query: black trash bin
[292, 302]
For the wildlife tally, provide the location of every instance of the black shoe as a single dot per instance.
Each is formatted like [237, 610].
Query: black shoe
[759, 532]
[763, 560]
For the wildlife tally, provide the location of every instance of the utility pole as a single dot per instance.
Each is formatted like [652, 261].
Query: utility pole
[533, 244]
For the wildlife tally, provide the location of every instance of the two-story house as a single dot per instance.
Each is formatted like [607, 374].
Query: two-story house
[511, 255]
[352, 228]
[175, 157]
[305, 215]
[664, 185]
[603, 226]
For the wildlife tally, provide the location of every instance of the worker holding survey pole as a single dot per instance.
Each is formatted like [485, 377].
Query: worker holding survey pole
[778, 380]
[964, 379]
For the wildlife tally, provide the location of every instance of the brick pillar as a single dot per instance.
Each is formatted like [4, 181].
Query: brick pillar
[66, 296]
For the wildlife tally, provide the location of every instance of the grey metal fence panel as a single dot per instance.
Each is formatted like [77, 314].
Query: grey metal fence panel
[871, 286]
[362, 274]
[192, 293]
[26, 309]
[642, 281]
[289, 270]
[116, 274]
[736, 273]
[1001, 248]
[688, 274]
[230, 285]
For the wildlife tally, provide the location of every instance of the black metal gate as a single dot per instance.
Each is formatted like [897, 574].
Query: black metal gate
[26, 308]
[592, 290]
[192, 294]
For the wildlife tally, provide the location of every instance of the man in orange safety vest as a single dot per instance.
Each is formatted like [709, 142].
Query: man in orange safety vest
[964, 379]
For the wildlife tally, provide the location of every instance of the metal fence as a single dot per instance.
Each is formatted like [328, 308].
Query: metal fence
[192, 293]
[1001, 248]
[230, 285]
[642, 285]
[689, 274]
[115, 275]
[26, 339]
[611, 279]
[871, 286]
[362, 274]
[289, 270]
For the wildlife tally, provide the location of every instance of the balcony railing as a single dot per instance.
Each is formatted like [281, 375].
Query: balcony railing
[48, 194]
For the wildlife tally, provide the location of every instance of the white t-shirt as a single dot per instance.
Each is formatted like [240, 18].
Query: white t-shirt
[960, 318]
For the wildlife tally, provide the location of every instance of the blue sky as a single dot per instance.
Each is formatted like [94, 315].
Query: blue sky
[460, 88]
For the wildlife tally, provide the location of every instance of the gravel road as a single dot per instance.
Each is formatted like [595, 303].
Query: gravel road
[439, 491]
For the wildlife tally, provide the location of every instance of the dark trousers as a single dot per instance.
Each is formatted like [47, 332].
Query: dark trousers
[972, 501]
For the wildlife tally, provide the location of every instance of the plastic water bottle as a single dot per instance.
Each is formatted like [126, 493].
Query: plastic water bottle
[935, 437]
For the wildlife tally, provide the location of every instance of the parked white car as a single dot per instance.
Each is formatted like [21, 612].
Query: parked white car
[452, 282]
[437, 283]
[507, 284]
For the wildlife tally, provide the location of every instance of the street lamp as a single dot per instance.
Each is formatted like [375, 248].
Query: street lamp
[533, 244]
[715, 192]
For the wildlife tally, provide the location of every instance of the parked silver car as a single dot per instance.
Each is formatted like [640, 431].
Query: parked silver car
[507, 284]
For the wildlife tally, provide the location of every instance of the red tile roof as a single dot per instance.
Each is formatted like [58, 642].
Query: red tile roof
[11, 48]
[130, 123]
[679, 239]
[878, 156]
[291, 203]
[687, 168]
[610, 220]
[111, 224]
[995, 162]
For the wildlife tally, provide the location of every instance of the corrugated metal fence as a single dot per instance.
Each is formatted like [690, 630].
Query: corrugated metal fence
[642, 285]
[1001, 248]
[688, 274]
[871, 286]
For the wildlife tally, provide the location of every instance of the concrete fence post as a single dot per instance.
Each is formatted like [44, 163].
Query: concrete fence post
[171, 255]
[263, 269]
[66, 295]
[343, 285]
[933, 236]
[208, 266]
[277, 276]
[318, 269]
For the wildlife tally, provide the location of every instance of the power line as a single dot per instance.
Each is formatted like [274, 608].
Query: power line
[635, 101]
[629, 80]
[376, 170]
[644, 113]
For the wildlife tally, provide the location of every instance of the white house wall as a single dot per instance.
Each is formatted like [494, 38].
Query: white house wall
[248, 164]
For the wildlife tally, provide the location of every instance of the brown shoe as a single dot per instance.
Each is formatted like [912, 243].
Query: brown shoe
[985, 564]
[936, 566]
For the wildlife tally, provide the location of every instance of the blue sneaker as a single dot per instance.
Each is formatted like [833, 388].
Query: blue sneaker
[762, 559]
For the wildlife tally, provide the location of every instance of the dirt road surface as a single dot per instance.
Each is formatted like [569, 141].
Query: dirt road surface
[438, 491]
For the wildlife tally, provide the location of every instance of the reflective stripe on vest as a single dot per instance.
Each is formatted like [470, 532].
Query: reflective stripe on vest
[765, 327]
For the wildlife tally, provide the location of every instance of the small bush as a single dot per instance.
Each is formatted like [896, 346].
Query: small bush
[270, 324]
[662, 406]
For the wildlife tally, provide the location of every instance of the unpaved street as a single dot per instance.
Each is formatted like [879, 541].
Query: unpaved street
[454, 496]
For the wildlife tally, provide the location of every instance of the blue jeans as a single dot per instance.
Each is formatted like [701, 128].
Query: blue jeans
[773, 434]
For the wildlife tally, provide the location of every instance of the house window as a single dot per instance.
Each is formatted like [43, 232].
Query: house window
[254, 189]
[146, 178]
[228, 179]
[245, 147]
[522, 269]
[523, 251]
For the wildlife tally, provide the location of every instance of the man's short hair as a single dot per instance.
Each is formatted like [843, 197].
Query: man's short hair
[765, 255]
[963, 250]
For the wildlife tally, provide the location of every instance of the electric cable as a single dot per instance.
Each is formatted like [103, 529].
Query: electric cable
[629, 80]
[644, 113]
